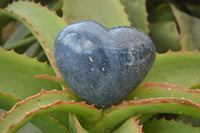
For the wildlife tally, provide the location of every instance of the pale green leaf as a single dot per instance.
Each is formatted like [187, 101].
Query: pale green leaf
[17, 74]
[107, 12]
[164, 126]
[43, 24]
[181, 68]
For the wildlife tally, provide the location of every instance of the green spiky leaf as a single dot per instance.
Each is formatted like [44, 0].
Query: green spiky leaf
[119, 114]
[189, 29]
[181, 68]
[17, 36]
[136, 9]
[17, 75]
[4, 20]
[48, 124]
[152, 90]
[46, 103]
[107, 12]
[130, 126]
[45, 123]
[162, 13]
[30, 128]
[31, 15]
[164, 126]
[165, 36]
[59, 80]
[7, 101]
[197, 86]
[74, 125]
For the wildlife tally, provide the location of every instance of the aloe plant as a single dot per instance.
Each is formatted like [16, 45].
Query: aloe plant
[35, 98]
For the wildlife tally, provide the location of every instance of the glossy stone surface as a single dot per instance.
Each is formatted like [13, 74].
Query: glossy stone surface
[103, 66]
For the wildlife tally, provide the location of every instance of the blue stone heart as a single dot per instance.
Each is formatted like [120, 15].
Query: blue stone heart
[101, 65]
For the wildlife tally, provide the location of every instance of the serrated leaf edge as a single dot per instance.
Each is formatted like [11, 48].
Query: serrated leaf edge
[56, 79]
[47, 107]
[23, 55]
[181, 51]
[170, 87]
[138, 125]
[35, 31]
[29, 98]
[16, 98]
[174, 101]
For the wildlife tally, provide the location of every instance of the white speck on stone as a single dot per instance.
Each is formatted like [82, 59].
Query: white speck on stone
[105, 76]
[131, 58]
[103, 69]
[88, 47]
[92, 69]
[88, 44]
[57, 58]
[91, 85]
[90, 58]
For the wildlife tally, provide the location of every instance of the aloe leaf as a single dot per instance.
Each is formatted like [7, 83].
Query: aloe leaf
[45, 123]
[136, 9]
[74, 125]
[152, 90]
[45, 103]
[119, 114]
[15, 37]
[130, 126]
[55, 5]
[181, 68]
[31, 15]
[107, 12]
[7, 101]
[165, 36]
[171, 126]
[162, 13]
[189, 120]
[143, 118]
[30, 128]
[189, 29]
[4, 20]
[197, 86]
[41, 56]
[48, 124]
[33, 50]
[22, 42]
[59, 80]
[17, 75]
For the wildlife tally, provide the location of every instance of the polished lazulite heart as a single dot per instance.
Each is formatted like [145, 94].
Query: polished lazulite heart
[101, 65]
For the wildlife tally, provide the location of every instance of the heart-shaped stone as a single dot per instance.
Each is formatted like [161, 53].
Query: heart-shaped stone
[102, 66]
